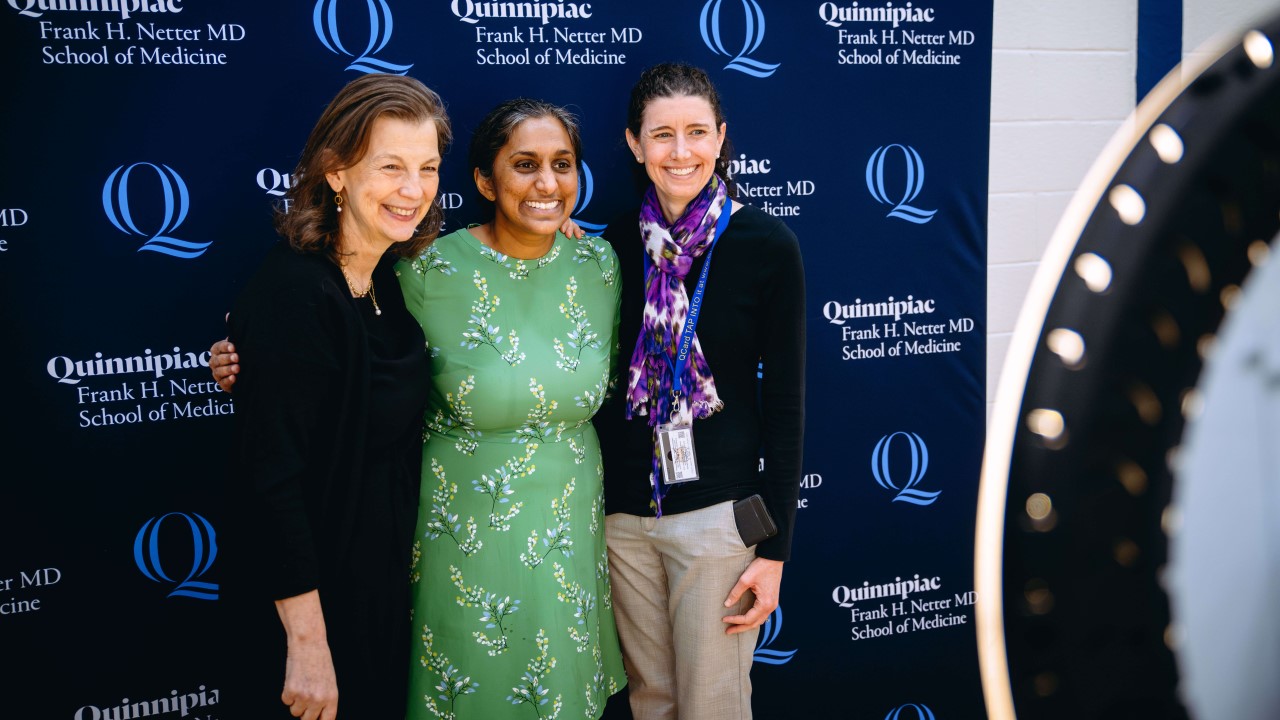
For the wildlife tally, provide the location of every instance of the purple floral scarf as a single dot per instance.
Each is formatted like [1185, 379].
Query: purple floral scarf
[672, 248]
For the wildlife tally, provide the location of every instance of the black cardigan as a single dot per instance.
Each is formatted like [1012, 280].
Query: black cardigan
[752, 311]
[302, 405]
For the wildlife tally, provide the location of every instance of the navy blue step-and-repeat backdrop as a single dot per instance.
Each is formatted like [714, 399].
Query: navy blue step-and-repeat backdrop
[145, 142]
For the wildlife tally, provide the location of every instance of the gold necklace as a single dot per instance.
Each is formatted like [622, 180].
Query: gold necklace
[367, 291]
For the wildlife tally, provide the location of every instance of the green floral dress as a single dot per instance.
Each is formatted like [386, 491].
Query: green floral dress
[510, 577]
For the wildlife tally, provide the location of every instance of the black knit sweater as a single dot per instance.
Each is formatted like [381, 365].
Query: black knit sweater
[752, 312]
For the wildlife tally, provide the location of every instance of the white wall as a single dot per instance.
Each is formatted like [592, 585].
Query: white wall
[1062, 80]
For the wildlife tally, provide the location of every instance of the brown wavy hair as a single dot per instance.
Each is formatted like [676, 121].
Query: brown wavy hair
[338, 141]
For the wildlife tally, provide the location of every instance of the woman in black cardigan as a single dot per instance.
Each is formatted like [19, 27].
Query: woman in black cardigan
[328, 434]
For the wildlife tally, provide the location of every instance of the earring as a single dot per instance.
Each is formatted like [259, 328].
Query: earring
[337, 200]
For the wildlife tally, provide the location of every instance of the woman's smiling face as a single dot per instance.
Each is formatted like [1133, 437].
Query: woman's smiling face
[534, 181]
[678, 143]
[388, 191]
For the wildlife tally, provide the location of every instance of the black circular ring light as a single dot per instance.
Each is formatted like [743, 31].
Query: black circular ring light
[1083, 452]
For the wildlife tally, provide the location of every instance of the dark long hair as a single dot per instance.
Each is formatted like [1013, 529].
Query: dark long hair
[675, 79]
[338, 141]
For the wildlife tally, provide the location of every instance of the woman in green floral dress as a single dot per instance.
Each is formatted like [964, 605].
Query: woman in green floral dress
[511, 610]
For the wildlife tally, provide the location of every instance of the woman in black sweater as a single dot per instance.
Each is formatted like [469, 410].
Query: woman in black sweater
[329, 414]
[689, 594]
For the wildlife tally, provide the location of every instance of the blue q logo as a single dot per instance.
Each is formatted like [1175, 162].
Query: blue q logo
[769, 633]
[919, 466]
[920, 712]
[752, 37]
[380, 25]
[914, 183]
[115, 202]
[580, 203]
[204, 548]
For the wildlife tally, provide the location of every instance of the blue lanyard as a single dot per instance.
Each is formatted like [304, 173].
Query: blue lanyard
[685, 346]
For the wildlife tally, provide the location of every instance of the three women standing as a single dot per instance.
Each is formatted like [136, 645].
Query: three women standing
[511, 584]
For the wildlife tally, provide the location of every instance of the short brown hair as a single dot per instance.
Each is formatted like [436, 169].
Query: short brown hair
[338, 141]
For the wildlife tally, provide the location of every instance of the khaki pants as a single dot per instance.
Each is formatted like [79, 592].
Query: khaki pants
[670, 578]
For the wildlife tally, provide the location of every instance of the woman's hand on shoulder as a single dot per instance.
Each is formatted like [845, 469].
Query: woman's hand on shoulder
[224, 363]
[572, 229]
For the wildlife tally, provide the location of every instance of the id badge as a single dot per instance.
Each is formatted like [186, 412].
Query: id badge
[675, 448]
